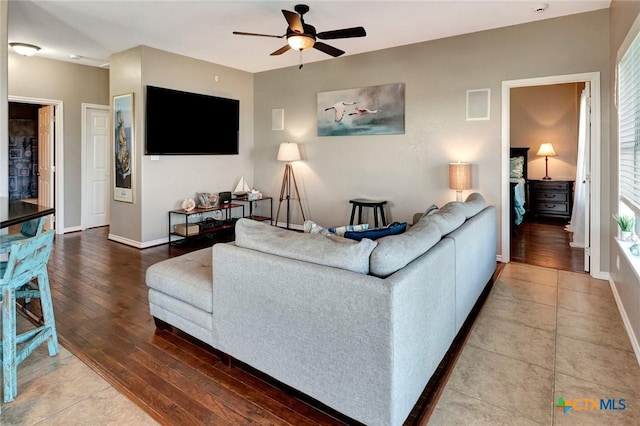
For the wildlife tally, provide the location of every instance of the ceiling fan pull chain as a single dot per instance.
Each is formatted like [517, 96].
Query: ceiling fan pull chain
[300, 67]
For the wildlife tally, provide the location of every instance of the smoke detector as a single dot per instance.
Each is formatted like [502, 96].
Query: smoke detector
[541, 7]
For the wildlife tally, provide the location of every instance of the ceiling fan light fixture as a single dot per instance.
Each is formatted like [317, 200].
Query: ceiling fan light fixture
[300, 41]
[24, 49]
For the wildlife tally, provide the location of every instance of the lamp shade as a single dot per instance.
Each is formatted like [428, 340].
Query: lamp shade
[24, 49]
[459, 176]
[288, 152]
[546, 150]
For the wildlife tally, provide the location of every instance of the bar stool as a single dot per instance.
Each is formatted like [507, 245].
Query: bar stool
[27, 261]
[377, 205]
[28, 229]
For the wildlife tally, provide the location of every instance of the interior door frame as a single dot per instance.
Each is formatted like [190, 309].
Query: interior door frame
[83, 183]
[58, 155]
[595, 185]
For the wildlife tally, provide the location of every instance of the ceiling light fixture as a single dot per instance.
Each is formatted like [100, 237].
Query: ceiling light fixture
[24, 49]
[301, 41]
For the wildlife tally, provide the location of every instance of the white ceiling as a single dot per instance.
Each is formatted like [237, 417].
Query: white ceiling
[203, 29]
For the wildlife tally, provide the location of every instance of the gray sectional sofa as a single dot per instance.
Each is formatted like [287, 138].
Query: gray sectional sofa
[358, 326]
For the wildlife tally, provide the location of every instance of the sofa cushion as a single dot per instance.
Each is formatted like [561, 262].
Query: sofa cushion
[373, 234]
[396, 251]
[188, 278]
[314, 248]
[448, 218]
[473, 205]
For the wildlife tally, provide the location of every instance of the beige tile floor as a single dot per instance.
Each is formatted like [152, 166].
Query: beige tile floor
[62, 390]
[543, 334]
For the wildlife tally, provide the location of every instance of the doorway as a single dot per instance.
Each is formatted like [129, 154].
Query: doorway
[592, 244]
[547, 120]
[23, 151]
[54, 156]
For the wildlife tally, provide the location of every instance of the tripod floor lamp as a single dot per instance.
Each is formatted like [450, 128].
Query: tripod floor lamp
[288, 152]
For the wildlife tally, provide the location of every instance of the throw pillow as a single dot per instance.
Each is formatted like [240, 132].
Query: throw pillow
[516, 171]
[432, 208]
[373, 234]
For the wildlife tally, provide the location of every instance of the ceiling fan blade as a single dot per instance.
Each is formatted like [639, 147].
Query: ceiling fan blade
[258, 35]
[329, 50]
[280, 51]
[294, 21]
[343, 33]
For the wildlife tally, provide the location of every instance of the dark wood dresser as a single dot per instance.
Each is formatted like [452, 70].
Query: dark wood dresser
[551, 198]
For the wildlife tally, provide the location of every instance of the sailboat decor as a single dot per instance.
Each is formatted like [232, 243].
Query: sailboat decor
[241, 188]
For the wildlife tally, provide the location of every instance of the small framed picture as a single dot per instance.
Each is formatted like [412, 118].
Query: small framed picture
[15, 153]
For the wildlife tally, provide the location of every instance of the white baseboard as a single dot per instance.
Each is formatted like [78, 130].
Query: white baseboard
[138, 244]
[72, 229]
[625, 319]
[601, 276]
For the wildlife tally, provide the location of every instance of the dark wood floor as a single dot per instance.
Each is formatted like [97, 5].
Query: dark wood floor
[102, 314]
[544, 242]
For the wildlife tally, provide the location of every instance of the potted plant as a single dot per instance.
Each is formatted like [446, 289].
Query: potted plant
[626, 224]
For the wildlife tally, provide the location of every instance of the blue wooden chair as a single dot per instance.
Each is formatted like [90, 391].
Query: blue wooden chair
[29, 228]
[27, 261]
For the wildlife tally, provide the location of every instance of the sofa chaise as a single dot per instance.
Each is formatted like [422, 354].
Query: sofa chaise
[358, 326]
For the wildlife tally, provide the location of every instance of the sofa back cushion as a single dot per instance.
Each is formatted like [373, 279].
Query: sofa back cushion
[394, 252]
[473, 205]
[448, 218]
[336, 252]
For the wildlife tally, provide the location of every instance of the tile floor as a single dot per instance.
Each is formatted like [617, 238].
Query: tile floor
[543, 334]
[62, 390]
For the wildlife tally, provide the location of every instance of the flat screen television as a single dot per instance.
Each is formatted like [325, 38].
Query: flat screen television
[183, 123]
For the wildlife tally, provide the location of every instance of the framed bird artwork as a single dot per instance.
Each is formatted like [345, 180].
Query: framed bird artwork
[374, 110]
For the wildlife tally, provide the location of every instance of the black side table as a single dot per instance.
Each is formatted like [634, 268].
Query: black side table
[376, 204]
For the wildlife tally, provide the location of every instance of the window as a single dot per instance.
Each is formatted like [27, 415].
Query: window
[629, 123]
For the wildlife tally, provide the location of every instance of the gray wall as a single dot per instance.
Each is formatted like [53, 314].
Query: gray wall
[73, 84]
[623, 15]
[161, 185]
[410, 170]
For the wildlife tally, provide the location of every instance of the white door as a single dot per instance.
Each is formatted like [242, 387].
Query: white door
[96, 169]
[46, 166]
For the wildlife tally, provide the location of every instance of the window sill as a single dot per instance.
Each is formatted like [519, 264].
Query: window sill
[634, 261]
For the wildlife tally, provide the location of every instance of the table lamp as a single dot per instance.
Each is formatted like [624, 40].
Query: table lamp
[288, 152]
[546, 151]
[459, 178]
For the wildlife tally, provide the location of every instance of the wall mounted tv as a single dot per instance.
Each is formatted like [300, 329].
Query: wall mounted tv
[183, 123]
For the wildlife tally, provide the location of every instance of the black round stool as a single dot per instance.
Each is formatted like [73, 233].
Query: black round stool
[362, 202]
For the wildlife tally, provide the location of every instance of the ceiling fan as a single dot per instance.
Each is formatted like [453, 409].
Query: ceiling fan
[301, 36]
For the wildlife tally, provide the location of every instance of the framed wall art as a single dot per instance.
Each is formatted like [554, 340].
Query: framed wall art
[374, 110]
[123, 147]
